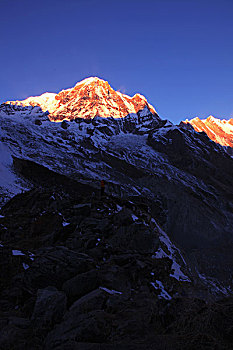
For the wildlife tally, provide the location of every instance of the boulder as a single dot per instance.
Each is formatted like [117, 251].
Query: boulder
[94, 327]
[49, 309]
[38, 122]
[56, 265]
[65, 124]
[91, 301]
[80, 285]
[136, 237]
[14, 333]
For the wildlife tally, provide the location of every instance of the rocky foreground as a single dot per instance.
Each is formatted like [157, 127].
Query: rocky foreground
[83, 272]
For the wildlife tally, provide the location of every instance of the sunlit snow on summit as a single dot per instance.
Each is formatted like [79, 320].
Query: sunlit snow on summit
[89, 98]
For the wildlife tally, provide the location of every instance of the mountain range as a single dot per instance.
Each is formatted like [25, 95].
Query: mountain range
[220, 131]
[148, 262]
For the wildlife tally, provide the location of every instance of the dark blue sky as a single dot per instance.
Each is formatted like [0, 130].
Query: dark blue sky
[179, 54]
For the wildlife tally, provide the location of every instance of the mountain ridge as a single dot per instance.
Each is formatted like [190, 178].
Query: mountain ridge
[89, 98]
[218, 130]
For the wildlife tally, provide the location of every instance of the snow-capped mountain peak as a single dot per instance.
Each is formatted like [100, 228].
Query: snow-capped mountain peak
[89, 98]
[218, 130]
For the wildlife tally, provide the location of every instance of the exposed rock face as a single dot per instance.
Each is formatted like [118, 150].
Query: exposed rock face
[89, 98]
[220, 131]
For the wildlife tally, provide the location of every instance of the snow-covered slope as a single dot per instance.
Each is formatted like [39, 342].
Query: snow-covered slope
[10, 183]
[218, 130]
[89, 98]
[29, 134]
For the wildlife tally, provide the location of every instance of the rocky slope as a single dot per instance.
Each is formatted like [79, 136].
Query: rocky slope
[220, 131]
[83, 272]
[156, 252]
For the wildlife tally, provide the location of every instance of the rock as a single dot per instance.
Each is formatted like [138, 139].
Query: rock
[92, 327]
[56, 265]
[136, 237]
[82, 209]
[123, 218]
[91, 301]
[49, 309]
[15, 334]
[64, 124]
[38, 122]
[47, 224]
[116, 278]
[80, 285]
[106, 266]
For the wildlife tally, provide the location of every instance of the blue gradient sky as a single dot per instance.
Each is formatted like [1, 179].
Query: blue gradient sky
[179, 54]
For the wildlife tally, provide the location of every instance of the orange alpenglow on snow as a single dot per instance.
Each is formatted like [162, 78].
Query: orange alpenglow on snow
[89, 98]
[220, 131]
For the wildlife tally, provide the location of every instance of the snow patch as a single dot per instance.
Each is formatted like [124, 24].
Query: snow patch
[215, 286]
[110, 291]
[164, 294]
[25, 266]
[173, 251]
[17, 252]
[134, 217]
[65, 224]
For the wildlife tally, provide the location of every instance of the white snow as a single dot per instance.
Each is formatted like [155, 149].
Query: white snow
[119, 208]
[160, 254]
[214, 285]
[88, 80]
[31, 256]
[17, 252]
[173, 252]
[65, 224]
[134, 217]
[164, 294]
[46, 101]
[98, 241]
[110, 291]
[8, 180]
[25, 266]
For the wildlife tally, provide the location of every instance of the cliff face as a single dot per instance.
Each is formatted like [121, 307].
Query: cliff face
[220, 131]
[89, 98]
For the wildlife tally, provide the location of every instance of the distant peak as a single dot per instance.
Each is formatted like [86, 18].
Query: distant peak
[218, 130]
